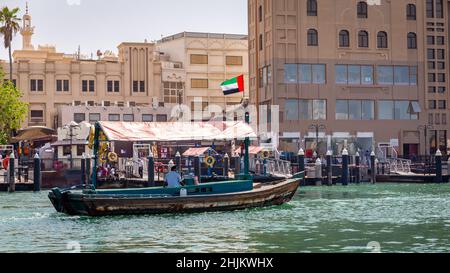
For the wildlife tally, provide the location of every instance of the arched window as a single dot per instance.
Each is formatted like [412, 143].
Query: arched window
[411, 12]
[344, 38]
[311, 7]
[412, 40]
[362, 9]
[313, 37]
[363, 39]
[382, 40]
[260, 13]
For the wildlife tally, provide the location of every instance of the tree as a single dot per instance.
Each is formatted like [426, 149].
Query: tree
[9, 27]
[12, 109]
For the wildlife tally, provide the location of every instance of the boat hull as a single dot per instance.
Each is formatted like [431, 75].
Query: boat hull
[106, 205]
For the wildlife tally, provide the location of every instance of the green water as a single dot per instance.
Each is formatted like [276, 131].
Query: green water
[400, 218]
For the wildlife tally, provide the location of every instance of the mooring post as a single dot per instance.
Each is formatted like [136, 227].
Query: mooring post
[88, 169]
[345, 167]
[83, 169]
[448, 167]
[198, 168]
[439, 167]
[358, 166]
[301, 161]
[226, 165]
[151, 170]
[318, 172]
[12, 177]
[373, 167]
[330, 168]
[37, 177]
[178, 162]
[237, 165]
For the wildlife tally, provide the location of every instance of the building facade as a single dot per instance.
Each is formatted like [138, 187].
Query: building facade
[355, 74]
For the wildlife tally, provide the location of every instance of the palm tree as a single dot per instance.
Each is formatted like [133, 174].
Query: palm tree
[9, 27]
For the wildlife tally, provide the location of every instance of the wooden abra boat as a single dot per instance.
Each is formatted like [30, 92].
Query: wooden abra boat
[222, 196]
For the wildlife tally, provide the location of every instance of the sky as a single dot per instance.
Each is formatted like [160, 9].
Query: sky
[104, 24]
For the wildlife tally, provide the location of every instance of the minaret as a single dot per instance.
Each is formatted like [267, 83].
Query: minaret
[27, 31]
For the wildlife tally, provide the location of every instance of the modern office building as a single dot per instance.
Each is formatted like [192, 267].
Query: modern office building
[355, 74]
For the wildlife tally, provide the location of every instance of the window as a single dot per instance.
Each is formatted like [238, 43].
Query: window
[411, 12]
[109, 86]
[342, 110]
[135, 86]
[261, 45]
[439, 9]
[431, 77]
[305, 110]
[430, 40]
[114, 117]
[128, 117]
[94, 117]
[386, 110]
[62, 85]
[441, 54]
[441, 77]
[260, 13]
[79, 117]
[199, 83]
[363, 39]
[431, 54]
[113, 86]
[362, 10]
[382, 40]
[199, 59]
[432, 105]
[311, 73]
[441, 89]
[290, 73]
[36, 85]
[355, 110]
[430, 8]
[401, 75]
[81, 149]
[91, 86]
[385, 75]
[311, 7]
[412, 40]
[313, 39]
[440, 40]
[88, 85]
[444, 119]
[442, 105]
[161, 118]
[67, 150]
[37, 115]
[84, 86]
[292, 110]
[354, 74]
[402, 111]
[147, 118]
[142, 86]
[431, 89]
[234, 60]
[344, 38]
[173, 92]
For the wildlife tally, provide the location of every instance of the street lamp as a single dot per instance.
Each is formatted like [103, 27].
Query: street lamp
[317, 128]
[70, 127]
[425, 129]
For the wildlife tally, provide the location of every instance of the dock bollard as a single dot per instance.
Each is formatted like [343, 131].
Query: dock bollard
[358, 170]
[83, 169]
[88, 169]
[345, 167]
[178, 162]
[301, 161]
[12, 177]
[151, 170]
[37, 177]
[373, 167]
[226, 165]
[330, 168]
[318, 172]
[439, 167]
[198, 168]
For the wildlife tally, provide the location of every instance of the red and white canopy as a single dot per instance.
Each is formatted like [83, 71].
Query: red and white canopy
[176, 131]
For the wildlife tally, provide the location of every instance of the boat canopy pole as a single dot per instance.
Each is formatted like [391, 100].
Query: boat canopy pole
[96, 147]
[247, 144]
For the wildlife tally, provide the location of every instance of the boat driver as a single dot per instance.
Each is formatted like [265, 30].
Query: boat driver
[173, 178]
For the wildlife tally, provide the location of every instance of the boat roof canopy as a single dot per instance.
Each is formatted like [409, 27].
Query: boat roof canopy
[176, 131]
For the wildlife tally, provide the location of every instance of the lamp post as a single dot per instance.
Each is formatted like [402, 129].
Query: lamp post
[317, 128]
[70, 127]
[425, 129]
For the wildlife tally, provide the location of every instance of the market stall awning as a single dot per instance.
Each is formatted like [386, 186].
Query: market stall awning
[35, 133]
[198, 151]
[253, 150]
[176, 131]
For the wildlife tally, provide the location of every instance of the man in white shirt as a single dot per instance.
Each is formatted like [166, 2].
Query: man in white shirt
[173, 179]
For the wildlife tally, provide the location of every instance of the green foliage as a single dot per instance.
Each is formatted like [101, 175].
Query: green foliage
[12, 109]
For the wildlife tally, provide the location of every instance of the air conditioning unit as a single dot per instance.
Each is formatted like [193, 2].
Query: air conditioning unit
[155, 102]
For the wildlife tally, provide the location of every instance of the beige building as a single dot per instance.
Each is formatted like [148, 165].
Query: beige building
[367, 73]
[143, 82]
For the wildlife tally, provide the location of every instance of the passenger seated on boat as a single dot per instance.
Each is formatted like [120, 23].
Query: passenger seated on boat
[173, 178]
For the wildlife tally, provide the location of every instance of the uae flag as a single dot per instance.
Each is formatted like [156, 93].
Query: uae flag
[233, 86]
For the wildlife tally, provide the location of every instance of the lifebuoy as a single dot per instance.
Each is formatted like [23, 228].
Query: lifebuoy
[265, 154]
[210, 161]
[112, 157]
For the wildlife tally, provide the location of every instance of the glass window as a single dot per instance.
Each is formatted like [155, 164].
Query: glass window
[304, 73]
[147, 118]
[385, 75]
[401, 75]
[354, 74]
[305, 109]
[386, 110]
[161, 118]
[340, 74]
[355, 111]
[291, 109]
[363, 39]
[318, 71]
[362, 10]
[412, 40]
[128, 117]
[368, 110]
[344, 38]
[79, 117]
[114, 117]
[342, 110]
[382, 40]
[413, 75]
[319, 110]
[91, 86]
[401, 110]
[94, 117]
[367, 75]
[81, 149]
[313, 37]
[59, 85]
[290, 73]
[311, 7]
[430, 8]
[411, 12]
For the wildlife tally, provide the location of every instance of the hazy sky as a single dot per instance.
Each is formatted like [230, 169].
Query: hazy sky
[104, 24]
